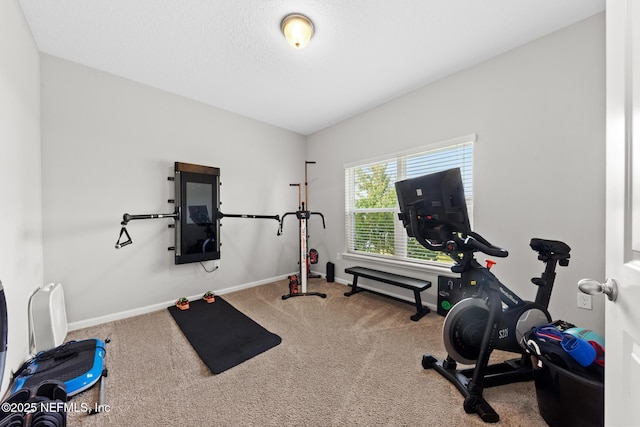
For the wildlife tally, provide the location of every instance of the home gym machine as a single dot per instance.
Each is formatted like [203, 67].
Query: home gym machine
[298, 283]
[196, 215]
[433, 210]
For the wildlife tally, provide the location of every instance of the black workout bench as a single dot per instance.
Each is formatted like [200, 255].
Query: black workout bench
[416, 285]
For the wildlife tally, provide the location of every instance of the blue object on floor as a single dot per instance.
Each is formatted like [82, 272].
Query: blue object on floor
[77, 364]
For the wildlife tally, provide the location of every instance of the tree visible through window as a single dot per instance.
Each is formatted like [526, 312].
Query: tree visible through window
[371, 207]
[375, 202]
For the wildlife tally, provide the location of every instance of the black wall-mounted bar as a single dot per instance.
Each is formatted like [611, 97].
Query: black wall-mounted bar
[196, 216]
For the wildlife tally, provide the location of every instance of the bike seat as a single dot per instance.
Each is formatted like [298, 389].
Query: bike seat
[550, 248]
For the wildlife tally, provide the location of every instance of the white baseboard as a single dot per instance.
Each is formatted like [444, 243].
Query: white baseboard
[73, 326]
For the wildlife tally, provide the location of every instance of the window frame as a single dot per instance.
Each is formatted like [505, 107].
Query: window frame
[400, 236]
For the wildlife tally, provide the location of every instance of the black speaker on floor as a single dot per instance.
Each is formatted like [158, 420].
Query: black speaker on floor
[331, 269]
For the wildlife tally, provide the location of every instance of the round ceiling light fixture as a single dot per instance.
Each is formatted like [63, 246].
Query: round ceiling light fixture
[297, 29]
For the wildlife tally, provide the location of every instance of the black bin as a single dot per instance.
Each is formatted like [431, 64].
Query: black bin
[566, 398]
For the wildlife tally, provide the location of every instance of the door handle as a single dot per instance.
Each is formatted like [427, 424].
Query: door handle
[593, 287]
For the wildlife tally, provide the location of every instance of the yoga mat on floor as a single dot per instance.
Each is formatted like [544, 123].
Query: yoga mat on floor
[222, 336]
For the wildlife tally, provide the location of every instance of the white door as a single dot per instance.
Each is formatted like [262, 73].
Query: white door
[622, 371]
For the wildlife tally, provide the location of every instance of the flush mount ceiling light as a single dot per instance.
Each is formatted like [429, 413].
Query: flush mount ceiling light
[297, 29]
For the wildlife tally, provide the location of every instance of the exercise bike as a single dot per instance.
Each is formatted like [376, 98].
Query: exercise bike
[433, 210]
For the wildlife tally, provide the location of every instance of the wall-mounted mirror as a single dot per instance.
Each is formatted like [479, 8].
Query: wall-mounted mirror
[198, 200]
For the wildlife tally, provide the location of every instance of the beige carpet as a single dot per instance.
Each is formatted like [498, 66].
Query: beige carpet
[343, 361]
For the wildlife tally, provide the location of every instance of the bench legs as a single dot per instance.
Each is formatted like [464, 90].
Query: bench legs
[354, 287]
[420, 310]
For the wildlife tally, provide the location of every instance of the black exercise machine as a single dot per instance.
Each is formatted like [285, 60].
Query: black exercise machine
[298, 283]
[433, 210]
[196, 215]
[126, 218]
[196, 220]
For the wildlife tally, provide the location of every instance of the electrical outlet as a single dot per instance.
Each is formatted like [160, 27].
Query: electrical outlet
[584, 301]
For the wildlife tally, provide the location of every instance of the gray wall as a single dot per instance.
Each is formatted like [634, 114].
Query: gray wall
[21, 265]
[109, 145]
[539, 171]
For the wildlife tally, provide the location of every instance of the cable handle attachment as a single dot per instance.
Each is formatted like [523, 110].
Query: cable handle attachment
[123, 232]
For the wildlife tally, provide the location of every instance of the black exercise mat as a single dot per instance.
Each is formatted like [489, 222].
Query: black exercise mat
[222, 336]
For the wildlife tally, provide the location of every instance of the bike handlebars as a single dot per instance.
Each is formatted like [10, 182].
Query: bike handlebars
[477, 242]
[469, 242]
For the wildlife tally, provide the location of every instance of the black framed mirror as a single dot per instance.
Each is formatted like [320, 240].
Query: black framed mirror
[198, 199]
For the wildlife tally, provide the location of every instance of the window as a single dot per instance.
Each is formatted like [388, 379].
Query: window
[371, 208]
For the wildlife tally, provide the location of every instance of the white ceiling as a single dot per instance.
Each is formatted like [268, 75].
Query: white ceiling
[231, 54]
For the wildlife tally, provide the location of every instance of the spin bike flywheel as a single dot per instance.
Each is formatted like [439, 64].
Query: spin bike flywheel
[465, 324]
